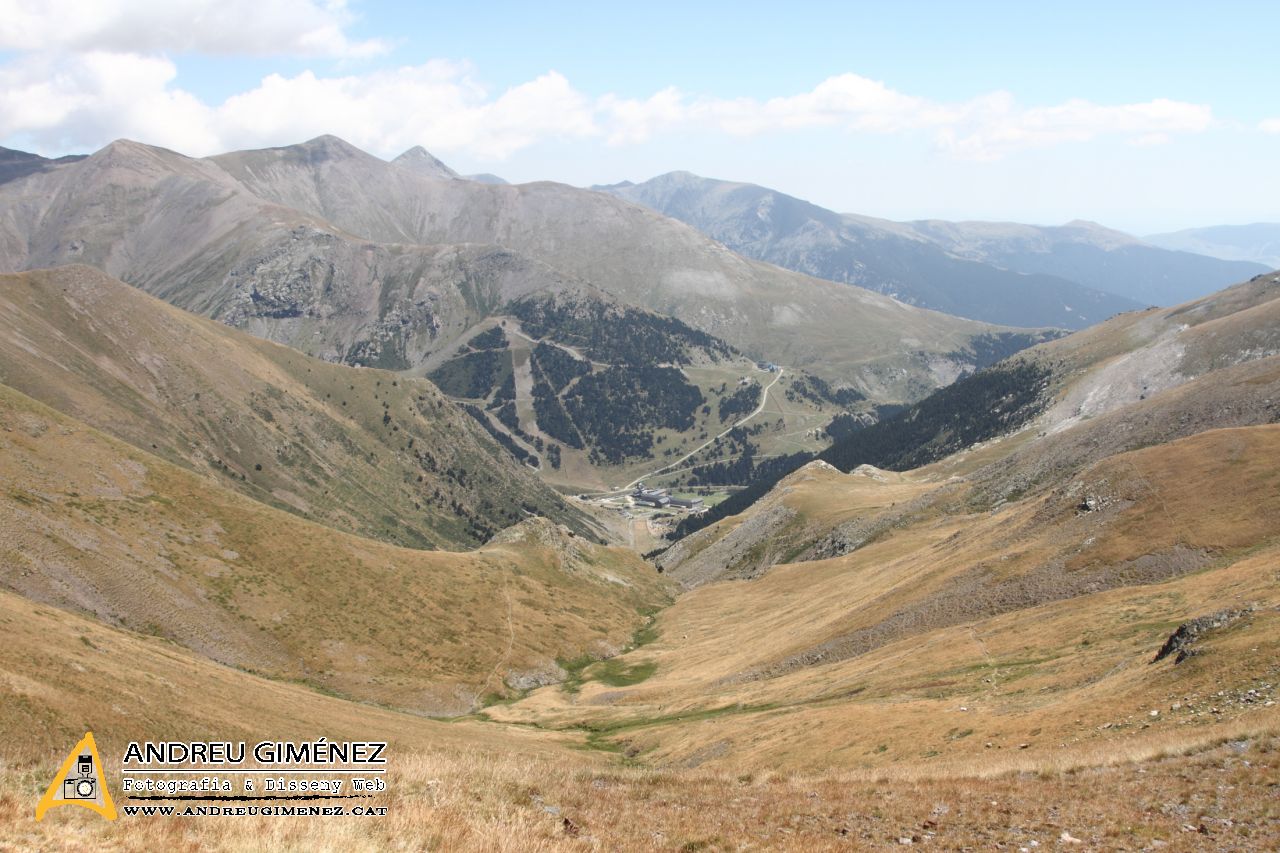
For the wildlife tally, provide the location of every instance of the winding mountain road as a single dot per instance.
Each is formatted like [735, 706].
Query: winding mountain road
[764, 398]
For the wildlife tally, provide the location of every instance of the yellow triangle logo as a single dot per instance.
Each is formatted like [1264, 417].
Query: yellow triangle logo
[80, 782]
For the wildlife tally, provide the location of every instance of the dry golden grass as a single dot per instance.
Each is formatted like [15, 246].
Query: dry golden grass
[473, 786]
[1024, 663]
[92, 525]
[478, 786]
[465, 800]
[796, 776]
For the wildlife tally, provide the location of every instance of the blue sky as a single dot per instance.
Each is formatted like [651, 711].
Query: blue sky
[1143, 116]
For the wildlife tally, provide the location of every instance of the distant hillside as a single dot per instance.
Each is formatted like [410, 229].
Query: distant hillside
[365, 451]
[1257, 243]
[19, 164]
[883, 256]
[573, 381]
[1069, 277]
[1068, 383]
[635, 256]
[1092, 255]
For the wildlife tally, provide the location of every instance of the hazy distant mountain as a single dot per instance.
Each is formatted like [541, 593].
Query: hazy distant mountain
[486, 178]
[19, 164]
[1259, 242]
[1018, 274]
[884, 256]
[1092, 255]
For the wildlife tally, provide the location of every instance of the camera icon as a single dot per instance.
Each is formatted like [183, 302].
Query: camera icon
[83, 786]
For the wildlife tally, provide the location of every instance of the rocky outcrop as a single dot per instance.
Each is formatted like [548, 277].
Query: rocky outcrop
[1182, 642]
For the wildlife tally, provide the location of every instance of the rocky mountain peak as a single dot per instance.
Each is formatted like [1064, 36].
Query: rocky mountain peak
[328, 147]
[425, 163]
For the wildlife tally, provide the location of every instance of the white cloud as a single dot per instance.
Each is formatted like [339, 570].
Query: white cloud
[82, 102]
[62, 99]
[994, 126]
[631, 120]
[436, 104]
[847, 100]
[1271, 125]
[229, 27]
[78, 103]
[984, 128]
[89, 72]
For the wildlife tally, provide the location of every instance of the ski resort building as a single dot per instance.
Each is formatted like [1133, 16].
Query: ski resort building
[660, 498]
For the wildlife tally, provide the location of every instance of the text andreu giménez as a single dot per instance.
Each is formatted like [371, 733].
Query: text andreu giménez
[267, 752]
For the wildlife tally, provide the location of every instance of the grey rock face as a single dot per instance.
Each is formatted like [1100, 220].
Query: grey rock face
[423, 162]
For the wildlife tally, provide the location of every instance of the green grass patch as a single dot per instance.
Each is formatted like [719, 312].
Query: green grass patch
[493, 698]
[610, 727]
[573, 668]
[616, 673]
[644, 635]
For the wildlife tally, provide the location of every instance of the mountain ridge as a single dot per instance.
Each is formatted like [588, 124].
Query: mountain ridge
[1258, 242]
[1071, 275]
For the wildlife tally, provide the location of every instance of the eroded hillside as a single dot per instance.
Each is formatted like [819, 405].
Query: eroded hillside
[96, 527]
[365, 451]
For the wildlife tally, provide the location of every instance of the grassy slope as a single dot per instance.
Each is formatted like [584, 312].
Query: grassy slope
[362, 450]
[1038, 620]
[92, 525]
[481, 786]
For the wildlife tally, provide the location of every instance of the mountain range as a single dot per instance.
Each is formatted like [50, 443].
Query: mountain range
[345, 256]
[1023, 275]
[1258, 243]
